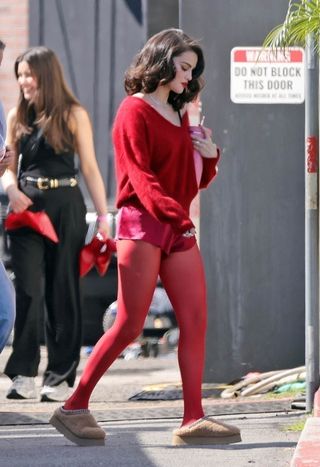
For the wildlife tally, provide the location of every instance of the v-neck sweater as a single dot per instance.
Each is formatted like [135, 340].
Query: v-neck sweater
[154, 163]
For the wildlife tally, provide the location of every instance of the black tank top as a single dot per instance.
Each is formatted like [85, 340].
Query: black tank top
[38, 158]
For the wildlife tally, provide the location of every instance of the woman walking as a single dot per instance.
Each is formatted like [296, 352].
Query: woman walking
[157, 181]
[47, 128]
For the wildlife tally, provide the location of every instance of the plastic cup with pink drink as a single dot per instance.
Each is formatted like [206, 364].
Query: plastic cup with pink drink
[197, 130]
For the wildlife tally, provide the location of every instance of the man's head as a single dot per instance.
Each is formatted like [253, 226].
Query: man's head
[2, 47]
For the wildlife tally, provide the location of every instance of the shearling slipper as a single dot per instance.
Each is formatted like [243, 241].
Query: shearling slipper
[206, 431]
[80, 427]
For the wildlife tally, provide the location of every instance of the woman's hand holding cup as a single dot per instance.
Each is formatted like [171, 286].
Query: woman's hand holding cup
[201, 137]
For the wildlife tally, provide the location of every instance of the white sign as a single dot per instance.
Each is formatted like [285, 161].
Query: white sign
[264, 76]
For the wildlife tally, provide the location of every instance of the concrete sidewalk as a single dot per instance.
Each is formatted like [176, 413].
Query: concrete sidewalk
[139, 431]
[307, 452]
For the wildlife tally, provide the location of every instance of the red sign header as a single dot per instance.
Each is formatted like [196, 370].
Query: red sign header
[267, 56]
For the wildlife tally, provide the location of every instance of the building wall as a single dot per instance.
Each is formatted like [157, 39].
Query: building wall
[252, 216]
[14, 31]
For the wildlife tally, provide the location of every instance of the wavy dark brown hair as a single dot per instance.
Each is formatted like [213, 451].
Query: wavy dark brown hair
[53, 103]
[154, 65]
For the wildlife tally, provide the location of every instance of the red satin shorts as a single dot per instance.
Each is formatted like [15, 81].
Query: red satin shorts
[137, 224]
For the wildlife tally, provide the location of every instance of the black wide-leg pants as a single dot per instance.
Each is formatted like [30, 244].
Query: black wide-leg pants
[47, 281]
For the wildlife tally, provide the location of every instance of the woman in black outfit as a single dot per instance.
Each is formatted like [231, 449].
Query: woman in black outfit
[47, 128]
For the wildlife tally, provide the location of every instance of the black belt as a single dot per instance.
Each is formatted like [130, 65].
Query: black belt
[45, 183]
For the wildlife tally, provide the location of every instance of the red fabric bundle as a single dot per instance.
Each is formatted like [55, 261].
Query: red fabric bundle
[38, 221]
[97, 253]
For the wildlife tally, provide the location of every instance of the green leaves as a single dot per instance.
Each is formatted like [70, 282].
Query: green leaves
[302, 19]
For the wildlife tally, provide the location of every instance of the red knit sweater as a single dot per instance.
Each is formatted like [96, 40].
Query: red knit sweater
[154, 163]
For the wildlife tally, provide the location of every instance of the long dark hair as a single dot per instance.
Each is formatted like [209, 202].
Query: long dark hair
[53, 102]
[154, 65]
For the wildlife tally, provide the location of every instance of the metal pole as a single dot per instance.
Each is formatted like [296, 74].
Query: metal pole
[180, 14]
[311, 224]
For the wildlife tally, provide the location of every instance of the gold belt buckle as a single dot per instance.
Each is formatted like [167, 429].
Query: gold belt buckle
[54, 183]
[43, 183]
[73, 182]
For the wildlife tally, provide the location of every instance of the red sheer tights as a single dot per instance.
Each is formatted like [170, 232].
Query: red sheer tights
[182, 275]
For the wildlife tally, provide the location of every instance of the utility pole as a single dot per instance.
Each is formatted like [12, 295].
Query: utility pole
[180, 13]
[311, 223]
